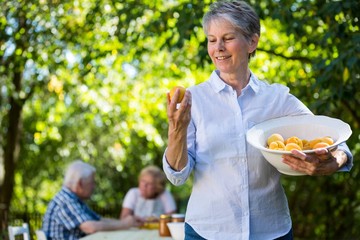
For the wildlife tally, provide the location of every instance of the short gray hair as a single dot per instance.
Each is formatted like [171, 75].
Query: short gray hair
[76, 171]
[239, 13]
[158, 175]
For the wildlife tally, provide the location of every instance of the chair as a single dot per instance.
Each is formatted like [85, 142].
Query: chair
[19, 230]
[40, 235]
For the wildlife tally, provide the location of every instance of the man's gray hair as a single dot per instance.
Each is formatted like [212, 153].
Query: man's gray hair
[240, 14]
[76, 171]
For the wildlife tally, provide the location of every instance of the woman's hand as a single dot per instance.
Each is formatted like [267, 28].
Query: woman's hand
[322, 162]
[179, 119]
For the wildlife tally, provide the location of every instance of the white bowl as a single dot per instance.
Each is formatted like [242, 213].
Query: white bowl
[304, 127]
[177, 230]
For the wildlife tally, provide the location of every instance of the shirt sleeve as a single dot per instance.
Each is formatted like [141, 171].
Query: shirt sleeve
[176, 177]
[168, 201]
[130, 199]
[349, 164]
[291, 105]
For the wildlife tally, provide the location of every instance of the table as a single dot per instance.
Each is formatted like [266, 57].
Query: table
[129, 234]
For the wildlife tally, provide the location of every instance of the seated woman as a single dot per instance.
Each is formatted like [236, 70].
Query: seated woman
[150, 199]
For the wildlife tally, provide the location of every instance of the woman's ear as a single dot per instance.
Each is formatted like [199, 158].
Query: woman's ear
[254, 43]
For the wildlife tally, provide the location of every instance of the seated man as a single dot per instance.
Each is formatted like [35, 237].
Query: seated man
[68, 217]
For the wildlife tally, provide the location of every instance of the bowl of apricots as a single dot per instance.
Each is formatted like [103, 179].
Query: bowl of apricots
[279, 136]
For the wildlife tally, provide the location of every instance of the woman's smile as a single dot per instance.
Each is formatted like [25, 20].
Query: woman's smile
[222, 57]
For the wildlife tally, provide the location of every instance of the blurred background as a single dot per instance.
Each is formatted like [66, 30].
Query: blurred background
[88, 80]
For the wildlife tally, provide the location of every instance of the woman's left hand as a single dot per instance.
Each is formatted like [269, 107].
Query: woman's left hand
[321, 162]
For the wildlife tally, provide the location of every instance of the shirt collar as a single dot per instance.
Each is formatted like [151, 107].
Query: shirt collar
[70, 193]
[253, 83]
[218, 84]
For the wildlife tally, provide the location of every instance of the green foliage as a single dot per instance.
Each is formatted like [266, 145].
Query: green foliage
[94, 78]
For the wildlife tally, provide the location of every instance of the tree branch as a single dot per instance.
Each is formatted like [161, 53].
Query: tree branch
[296, 58]
[351, 110]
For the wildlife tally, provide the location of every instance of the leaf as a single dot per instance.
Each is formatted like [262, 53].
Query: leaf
[346, 74]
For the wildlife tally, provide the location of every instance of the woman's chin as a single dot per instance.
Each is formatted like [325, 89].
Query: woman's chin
[147, 196]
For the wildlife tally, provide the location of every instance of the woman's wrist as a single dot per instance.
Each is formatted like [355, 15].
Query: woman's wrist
[341, 158]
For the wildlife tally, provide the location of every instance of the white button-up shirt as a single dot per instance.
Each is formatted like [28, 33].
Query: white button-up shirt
[236, 193]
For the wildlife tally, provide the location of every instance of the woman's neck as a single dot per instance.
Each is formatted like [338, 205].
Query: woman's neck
[238, 81]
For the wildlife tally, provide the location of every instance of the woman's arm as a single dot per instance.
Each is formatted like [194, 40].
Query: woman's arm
[126, 212]
[179, 119]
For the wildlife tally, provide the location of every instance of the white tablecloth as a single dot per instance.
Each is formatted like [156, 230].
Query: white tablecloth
[130, 234]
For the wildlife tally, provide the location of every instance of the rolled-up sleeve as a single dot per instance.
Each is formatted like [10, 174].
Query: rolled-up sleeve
[349, 164]
[176, 177]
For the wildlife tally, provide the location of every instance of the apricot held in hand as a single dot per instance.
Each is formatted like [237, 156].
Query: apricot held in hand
[181, 95]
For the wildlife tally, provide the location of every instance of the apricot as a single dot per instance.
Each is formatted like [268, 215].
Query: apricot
[313, 142]
[306, 145]
[295, 140]
[321, 145]
[274, 137]
[277, 145]
[291, 146]
[277, 142]
[181, 95]
[327, 140]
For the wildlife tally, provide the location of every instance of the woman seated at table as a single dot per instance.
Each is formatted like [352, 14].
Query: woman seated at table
[150, 199]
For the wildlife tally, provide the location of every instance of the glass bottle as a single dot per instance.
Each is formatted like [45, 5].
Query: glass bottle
[163, 228]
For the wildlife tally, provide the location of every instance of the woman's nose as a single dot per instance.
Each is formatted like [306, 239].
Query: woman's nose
[220, 45]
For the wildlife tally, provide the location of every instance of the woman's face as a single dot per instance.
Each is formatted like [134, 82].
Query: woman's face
[147, 186]
[227, 47]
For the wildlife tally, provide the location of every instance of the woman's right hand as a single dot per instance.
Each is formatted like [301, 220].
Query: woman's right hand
[179, 119]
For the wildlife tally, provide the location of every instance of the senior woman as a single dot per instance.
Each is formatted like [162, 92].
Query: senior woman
[236, 194]
[150, 199]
